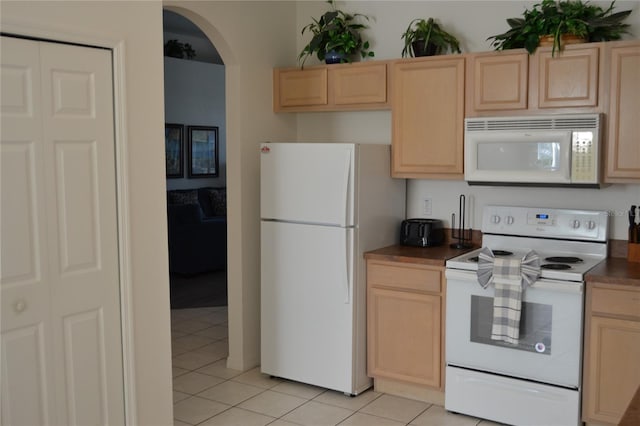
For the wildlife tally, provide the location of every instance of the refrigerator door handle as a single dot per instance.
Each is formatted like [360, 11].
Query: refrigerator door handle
[347, 269]
[345, 181]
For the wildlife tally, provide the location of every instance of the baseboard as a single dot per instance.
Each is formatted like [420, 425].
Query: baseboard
[409, 390]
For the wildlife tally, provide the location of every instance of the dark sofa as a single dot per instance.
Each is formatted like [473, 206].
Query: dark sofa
[197, 227]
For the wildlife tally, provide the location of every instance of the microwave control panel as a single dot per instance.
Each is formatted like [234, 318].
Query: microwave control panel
[584, 163]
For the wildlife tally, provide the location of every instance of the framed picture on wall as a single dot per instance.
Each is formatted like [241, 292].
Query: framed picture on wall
[173, 147]
[203, 151]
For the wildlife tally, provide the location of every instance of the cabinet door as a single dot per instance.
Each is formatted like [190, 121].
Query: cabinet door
[361, 83]
[570, 79]
[428, 118]
[497, 82]
[295, 88]
[404, 336]
[623, 149]
[612, 373]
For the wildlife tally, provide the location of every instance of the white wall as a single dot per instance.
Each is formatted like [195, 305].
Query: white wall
[472, 22]
[194, 95]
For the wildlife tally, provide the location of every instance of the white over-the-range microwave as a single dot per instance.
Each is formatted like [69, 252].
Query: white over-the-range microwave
[545, 150]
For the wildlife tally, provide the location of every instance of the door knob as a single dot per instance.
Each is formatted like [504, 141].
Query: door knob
[20, 306]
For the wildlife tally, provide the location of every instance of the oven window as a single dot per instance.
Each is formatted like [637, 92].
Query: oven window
[535, 325]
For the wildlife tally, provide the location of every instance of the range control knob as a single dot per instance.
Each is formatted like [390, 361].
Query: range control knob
[591, 224]
[509, 220]
[575, 224]
[495, 219]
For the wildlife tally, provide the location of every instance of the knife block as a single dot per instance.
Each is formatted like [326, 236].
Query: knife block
[633, 252]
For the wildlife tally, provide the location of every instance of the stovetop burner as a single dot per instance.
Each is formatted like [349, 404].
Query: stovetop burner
[555, 266]
[563, 259]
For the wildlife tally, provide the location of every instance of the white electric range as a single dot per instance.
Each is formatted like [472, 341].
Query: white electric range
[536, 381]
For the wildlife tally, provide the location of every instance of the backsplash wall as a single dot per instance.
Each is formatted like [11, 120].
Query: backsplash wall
[615, 199]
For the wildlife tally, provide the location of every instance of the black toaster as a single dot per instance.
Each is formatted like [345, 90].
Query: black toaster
[421, 232]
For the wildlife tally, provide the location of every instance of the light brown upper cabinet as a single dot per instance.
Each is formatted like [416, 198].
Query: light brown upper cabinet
[497, 81]
[427, 117]
[512, 82]
[339, 87]
[294, 88]
[570, 79]
[622, 66]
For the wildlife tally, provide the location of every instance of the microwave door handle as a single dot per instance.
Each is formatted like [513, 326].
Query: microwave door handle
[567, 165]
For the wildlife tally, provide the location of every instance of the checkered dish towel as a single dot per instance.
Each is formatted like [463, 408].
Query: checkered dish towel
[510, 277]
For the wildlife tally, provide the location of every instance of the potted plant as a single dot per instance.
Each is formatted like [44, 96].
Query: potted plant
[555, 19]
[426, 38]
[175, 49]
[336, 37]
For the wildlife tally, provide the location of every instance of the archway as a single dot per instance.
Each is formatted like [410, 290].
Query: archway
[234, 272]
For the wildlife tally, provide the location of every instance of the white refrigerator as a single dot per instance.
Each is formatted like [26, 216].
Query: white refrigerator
[322, 206]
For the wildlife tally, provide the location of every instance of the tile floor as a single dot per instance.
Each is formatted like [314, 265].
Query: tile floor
[207, 393]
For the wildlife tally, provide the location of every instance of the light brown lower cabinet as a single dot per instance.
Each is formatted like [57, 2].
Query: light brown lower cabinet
[405, 311]
[612, 352]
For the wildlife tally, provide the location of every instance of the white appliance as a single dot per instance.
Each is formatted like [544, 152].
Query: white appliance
[554, 150]
[322, 206]
[538, 380]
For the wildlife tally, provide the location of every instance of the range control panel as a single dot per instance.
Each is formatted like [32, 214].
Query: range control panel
[587, 225]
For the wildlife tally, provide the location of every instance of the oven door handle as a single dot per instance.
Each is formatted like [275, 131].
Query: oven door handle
[559, 286]
[572, 287]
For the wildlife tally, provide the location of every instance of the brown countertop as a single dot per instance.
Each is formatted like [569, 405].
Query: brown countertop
[435, 256]
[631, 416]
[616, 270]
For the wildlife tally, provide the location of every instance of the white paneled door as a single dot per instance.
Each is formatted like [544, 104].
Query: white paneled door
[61, 354]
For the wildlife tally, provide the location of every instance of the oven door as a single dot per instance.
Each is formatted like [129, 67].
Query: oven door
[549, 348]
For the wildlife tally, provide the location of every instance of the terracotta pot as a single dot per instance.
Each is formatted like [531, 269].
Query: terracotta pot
[547, 40]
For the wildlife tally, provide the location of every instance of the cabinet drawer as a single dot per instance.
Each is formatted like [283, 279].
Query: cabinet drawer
[616, 302]
[404, 276]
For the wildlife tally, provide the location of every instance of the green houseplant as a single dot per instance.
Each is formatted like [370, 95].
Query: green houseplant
[175, 49]
[336, 37]
[557, 18]
[426, 38]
